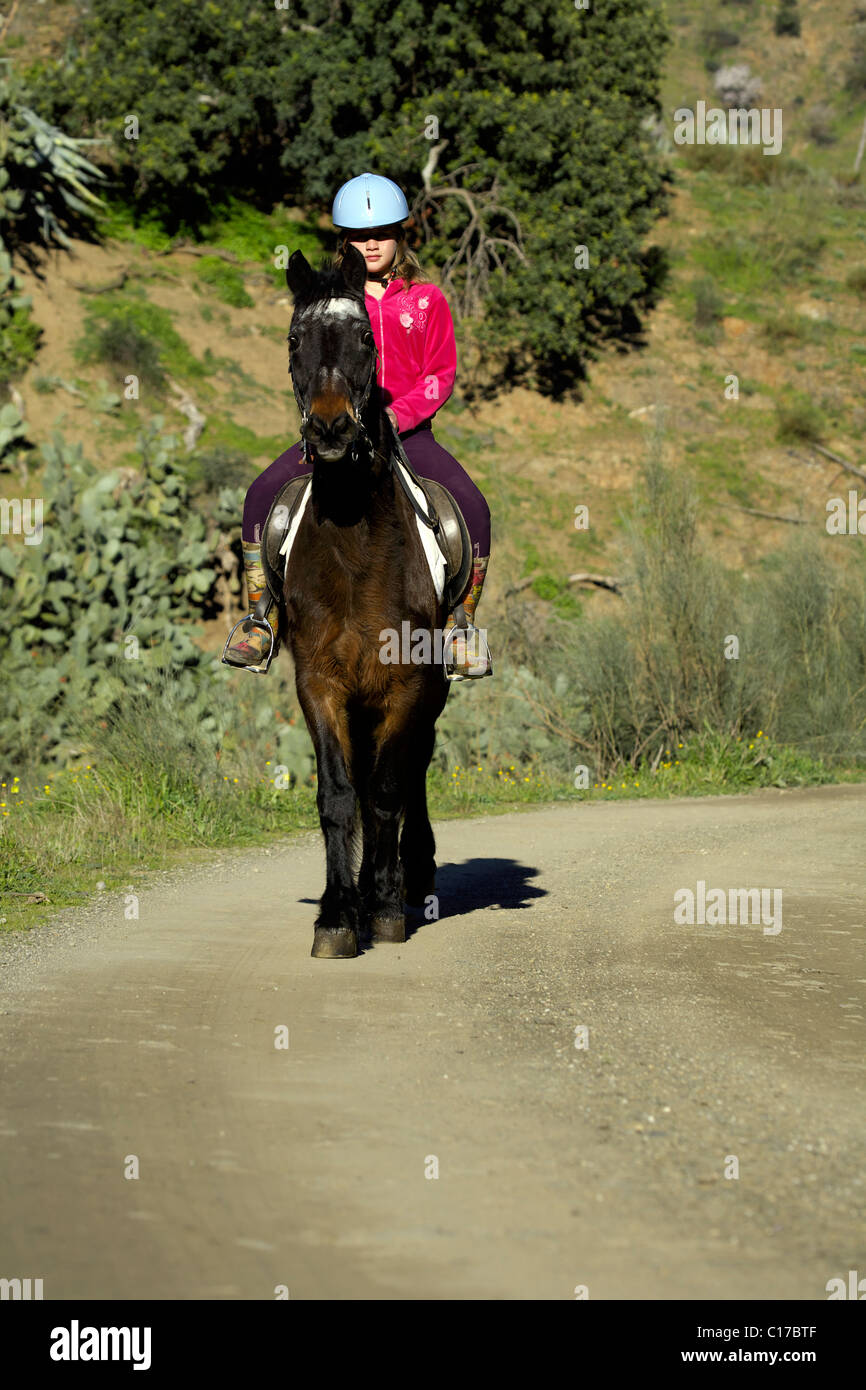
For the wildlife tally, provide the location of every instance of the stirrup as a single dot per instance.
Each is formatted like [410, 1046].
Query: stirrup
[249, 623]
[477, 653]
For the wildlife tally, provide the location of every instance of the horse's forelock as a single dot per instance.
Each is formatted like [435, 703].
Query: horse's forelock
[328, 284]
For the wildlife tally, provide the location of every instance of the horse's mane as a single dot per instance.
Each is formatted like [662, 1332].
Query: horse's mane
[328, 284]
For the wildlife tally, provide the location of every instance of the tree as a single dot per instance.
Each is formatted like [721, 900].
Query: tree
[545, 103]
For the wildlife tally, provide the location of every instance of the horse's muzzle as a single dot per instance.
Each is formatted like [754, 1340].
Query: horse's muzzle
[330, 439]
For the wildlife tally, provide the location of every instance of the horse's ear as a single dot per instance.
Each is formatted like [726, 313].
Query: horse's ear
[299, 273]
[354, 270]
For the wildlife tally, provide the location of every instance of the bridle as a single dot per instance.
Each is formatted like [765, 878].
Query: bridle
[430, 518]
[362, 438]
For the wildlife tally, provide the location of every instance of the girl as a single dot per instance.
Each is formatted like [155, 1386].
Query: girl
[417, 362]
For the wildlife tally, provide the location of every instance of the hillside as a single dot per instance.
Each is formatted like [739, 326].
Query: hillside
[767, 280]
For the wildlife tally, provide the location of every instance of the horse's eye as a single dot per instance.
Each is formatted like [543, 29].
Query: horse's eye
[369, 340]
[293, 341]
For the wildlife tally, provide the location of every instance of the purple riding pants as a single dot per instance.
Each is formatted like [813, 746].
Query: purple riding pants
[427, 458]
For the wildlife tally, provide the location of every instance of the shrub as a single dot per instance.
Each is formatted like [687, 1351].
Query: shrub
[131, 335]
[787, 327]
[19, 335]
[819, 124]
[221, 467]
[716, 37]
[856, 279]
[617, 691]
[708, 306]
[121, 344]
[737, 86]
[814, 641]
[799, 421]
[787, 21]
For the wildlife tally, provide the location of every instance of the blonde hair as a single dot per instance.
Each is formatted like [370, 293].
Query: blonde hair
[405, 267]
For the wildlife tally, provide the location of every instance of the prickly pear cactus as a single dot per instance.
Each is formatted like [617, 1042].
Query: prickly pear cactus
[111, 589]
[19, 335]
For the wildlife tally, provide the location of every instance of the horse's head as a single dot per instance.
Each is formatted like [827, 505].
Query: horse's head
[333, 353]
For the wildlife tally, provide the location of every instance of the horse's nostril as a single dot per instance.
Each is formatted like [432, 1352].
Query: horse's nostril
[340, 428]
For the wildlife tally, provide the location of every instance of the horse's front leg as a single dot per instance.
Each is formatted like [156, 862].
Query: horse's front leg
[385, 804]
[417, 844]
[336, 930]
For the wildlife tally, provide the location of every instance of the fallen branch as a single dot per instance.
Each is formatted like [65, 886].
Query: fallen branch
[837, 458]
[599, 581]
[769, 516]
[116, 284]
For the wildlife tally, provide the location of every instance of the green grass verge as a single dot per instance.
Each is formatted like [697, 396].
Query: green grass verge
[105, 824]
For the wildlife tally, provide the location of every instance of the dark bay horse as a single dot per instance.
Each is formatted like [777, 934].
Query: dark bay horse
[357, 568]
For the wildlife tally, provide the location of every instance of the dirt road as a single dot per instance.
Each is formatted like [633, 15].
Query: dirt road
[311, 1166]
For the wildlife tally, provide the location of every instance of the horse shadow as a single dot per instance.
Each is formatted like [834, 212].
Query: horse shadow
[500, 884]
[503, 884]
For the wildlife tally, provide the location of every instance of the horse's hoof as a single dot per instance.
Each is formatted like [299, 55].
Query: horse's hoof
[334, 943]
[388, 928]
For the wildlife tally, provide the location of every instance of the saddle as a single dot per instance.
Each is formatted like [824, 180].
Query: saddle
[442, 515]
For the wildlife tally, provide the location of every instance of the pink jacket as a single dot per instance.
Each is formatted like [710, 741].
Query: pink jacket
[414, 335]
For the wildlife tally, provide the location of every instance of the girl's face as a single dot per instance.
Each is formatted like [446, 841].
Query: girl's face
[378, 246]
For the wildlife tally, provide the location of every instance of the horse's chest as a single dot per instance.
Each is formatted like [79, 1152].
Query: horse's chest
[340, 602]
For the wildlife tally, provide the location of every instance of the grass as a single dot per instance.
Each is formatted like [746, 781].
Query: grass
[245, 231]
[223, 435]
[225, 280]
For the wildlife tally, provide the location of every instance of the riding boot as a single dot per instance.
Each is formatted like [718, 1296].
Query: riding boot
[467, 656]
[254, 651]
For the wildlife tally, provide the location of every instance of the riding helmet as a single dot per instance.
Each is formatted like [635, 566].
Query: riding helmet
[369, 201]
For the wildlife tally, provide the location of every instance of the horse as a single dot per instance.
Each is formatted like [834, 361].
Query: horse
[356, 569]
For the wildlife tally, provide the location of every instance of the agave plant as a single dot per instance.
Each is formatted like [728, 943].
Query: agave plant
[45, 179]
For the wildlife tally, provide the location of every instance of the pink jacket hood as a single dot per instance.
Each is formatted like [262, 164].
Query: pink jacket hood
[414, 335]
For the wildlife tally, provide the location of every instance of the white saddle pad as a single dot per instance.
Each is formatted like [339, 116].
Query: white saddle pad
[433, 555]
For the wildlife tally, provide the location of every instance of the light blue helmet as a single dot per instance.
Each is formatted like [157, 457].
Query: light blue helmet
[369, 201]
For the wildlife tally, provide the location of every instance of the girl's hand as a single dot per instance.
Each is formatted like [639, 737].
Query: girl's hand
[392, 417]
